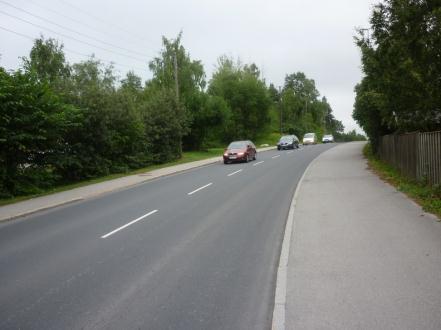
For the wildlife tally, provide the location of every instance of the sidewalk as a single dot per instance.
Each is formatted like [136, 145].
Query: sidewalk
[362, 255]
[33, 205]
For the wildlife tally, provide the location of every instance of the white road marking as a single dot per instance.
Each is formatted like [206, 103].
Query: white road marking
[235, 172]
[207, 185]
[258, 163]
[128, 224]
[289, 152]
[275, 156]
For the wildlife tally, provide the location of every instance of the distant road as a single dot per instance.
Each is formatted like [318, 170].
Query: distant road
[195, 250]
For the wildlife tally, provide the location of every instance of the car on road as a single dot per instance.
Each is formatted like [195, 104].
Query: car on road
[309, 138]
[328, 138]
[240, 151]
[288, 142]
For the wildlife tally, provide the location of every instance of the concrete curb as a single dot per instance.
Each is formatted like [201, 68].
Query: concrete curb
[18, 215]
[159, 173]
[278, 322]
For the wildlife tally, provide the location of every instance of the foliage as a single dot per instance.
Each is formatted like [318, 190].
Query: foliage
[400, 91]
[303, 111]
[190, 84]
[246, 96]
[62, 123]
[32, 123]
[111, 135]
[48, 63]
[163, 125]
[349, 136]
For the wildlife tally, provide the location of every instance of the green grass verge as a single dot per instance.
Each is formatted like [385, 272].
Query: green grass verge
[429, 197]
[187, 157]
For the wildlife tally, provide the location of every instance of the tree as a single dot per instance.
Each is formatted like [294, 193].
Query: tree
[32, 125]
[132, 84]
[400, 90]
[62, 123]
[246, 96]
[47, 61]
[112, 135]
[301, 86]
[274, 93]
[128, 140]
[368, 109]
[332, 125]
[302, 110]
[175, 71]
[349, 136]
[163, 126]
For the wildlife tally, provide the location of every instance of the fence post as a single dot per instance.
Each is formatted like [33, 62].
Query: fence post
[418, 156]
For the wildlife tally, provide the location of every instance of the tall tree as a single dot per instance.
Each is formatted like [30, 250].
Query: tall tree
[174, 70]
[301, 86]
[47, 61]
[246, 95]
[400, 90]
[302, 111]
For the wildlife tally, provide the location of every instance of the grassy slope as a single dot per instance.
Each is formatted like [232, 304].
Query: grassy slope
[187, 157]
[428, 197]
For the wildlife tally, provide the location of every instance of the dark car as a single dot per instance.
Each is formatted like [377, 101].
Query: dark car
[288, 142]
[240, 151]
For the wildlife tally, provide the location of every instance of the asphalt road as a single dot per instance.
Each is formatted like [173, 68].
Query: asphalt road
[195, 250]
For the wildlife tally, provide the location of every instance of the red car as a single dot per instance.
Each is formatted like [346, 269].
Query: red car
[240, 151]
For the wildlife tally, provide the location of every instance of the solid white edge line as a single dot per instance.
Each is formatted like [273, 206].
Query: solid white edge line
[235, 172]
[207, 185]
[262, 161]
[275, 156]
[278, 322]
[128, 224]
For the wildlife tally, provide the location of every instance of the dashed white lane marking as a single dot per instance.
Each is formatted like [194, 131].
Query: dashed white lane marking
[275, 156]
[235, 172]
[290, 152]
[262, 161]
[200, 188]
[128, 224]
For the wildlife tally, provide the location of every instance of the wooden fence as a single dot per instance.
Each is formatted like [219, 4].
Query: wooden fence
[416, 155]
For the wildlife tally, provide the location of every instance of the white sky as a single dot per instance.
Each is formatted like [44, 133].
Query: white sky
[280, 36]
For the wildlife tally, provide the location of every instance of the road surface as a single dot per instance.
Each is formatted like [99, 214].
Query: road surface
[195, 250]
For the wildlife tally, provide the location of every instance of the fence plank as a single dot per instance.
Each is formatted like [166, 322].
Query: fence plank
[415, 155]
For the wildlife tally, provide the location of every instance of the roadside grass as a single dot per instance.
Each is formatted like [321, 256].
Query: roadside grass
[187, 157]
[429, 197]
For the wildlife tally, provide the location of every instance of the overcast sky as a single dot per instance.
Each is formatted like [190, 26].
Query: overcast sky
[280, 36]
